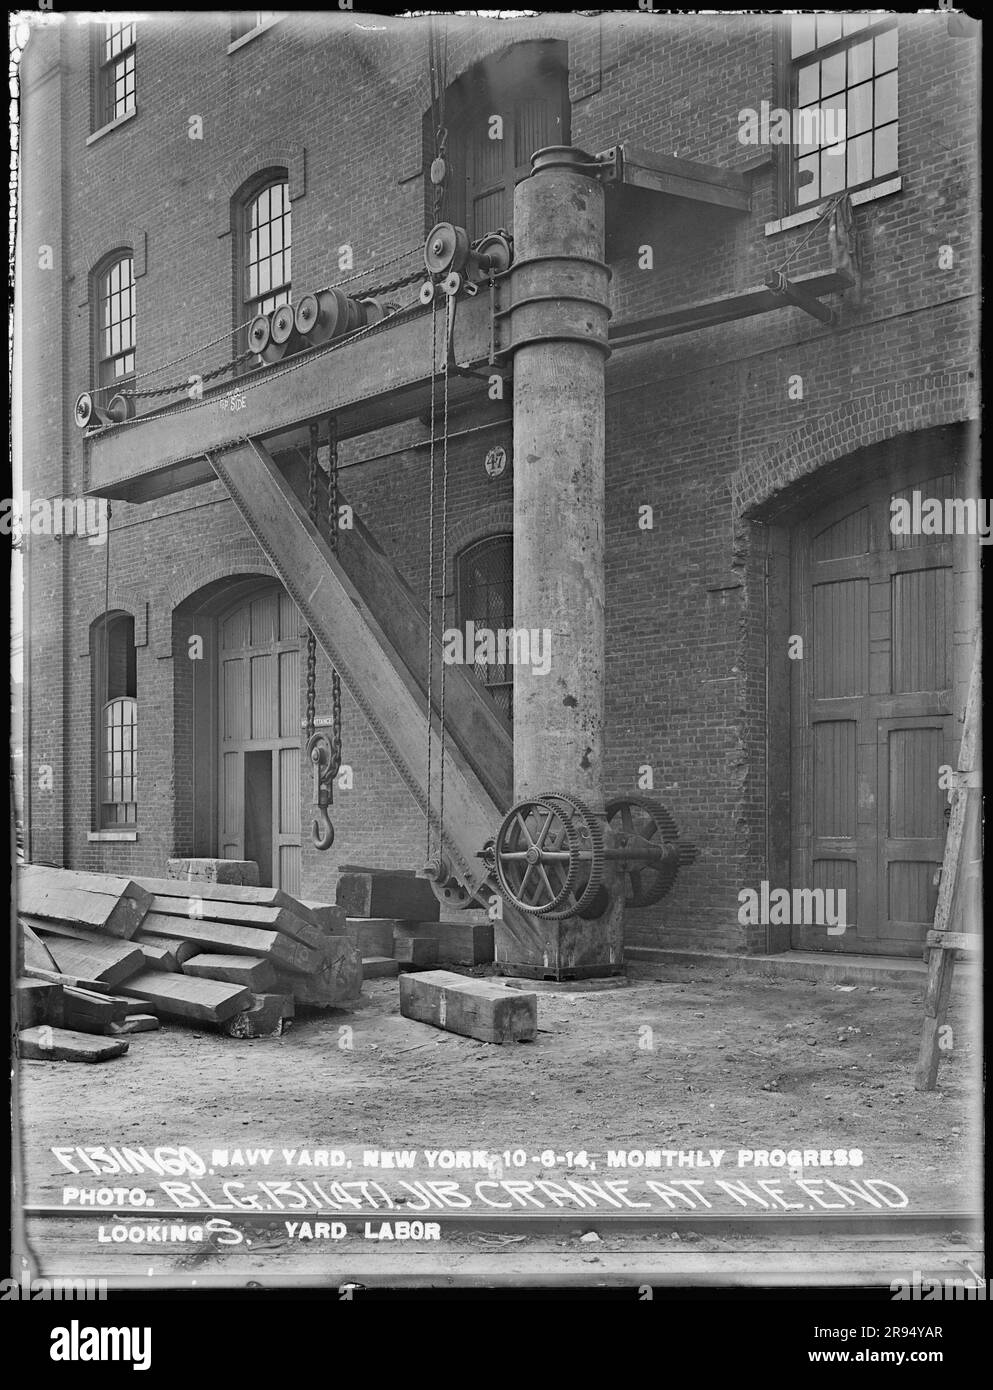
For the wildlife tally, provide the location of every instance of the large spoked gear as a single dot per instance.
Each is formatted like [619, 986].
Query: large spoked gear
[536, 855]
[641, 822]
[591, 835]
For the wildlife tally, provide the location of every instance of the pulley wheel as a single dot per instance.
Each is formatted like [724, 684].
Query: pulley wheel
[83, 411]
[446, 248]
[356, 316]
[120, 408]
[444, 885]
[426, 294]
[319, 317]
[641, 821]
[452, 282]
[258, 333]
[494, 254]
[282, 324]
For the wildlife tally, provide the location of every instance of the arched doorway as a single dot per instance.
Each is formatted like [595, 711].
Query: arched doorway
[258, 735]
[868, 711]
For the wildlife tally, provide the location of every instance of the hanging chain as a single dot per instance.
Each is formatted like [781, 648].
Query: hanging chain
[333, 509]
[444, 558]
[311, 639]
[434, 375]
[320, 750]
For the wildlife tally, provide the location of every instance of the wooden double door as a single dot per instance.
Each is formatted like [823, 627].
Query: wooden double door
[259, 736]
[871, 717]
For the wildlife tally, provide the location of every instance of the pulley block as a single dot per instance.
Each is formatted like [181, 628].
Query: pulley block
[491, 255]
[121, 408]
[446, 248]
[445, 886]
[86, 412]
[375, 309]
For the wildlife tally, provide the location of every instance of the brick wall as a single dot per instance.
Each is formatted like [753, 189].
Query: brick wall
[701, 427]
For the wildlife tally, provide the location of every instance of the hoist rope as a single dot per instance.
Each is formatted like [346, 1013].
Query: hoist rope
[799, 247]
[430, 674]
[444, 558]
[222, 337]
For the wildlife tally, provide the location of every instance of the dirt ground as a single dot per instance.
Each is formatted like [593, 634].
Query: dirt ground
[686, 1060]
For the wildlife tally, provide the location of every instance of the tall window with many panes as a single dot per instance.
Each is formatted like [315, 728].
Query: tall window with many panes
[484, 574]
[117, 321]
[266, 242]
[844, 99]
[115, 66]
[114, 663]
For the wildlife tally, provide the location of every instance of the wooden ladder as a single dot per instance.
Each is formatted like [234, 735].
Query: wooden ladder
[959, 894]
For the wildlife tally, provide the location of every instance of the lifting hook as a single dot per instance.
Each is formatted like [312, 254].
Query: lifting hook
[322, 756]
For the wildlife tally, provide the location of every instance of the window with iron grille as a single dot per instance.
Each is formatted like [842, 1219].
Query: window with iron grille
[114, 660]
[527, 86]
[485, 597]
[843, 82]
[266, 242]
[116, 321]
[115, 70]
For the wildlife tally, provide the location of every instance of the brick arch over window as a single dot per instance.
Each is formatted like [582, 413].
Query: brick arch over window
[252, 168]
[496, 520]
[939, 398]
[123, 238]
[239, 559]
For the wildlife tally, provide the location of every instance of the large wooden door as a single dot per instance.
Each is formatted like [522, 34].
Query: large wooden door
[259, 737]
[871, 718]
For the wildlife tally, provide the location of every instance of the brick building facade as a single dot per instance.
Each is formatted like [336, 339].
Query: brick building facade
[767, 447]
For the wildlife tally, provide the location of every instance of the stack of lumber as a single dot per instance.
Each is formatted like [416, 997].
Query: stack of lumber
[394, 919]
[230, 955]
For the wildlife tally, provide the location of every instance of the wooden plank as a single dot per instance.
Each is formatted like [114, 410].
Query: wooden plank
[232, 893]
[420, 951]
[56, 978]
[240, 941]
[78, 1004]
[954, 940]
[374, 894]
[338, 980]
[46, 1044]
[45, 898]
[181, 996]
[251, 971]
[462, 943]
[474, 1008]
[37, 1001]
[212, 870]
[650, 161]
[329, 916]
[112, 884]
[107, 960]
[373, 936]
[238, 914]
[37, 956]
[163, 952]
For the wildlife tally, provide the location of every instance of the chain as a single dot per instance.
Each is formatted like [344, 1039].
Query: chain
[311, 638]
[434, 375]
[444, 558]
[333, 506]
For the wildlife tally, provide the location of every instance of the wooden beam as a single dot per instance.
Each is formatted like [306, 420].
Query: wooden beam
[180, 996]
[709, 313]
[46, 1044]
[402, 897]
[475, 1008]
[253, 972]
[954, 940]
[378, 379]
[635, 167]
[109, 961]
[239, 940]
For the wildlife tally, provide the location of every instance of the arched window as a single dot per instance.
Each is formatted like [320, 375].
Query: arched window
[116, 321]
[265, 247]
[114, 661]
[485, 596]
[527, 87]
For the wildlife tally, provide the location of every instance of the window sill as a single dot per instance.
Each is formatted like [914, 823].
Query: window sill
[863, 195]
[111, 125]
[253, 34]
[126, 835]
